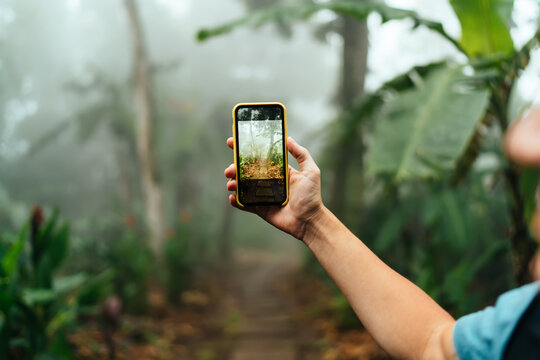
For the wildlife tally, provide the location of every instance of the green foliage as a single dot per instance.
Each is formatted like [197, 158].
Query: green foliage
[276, 158]
[528, 188]
[186, 250]
[484, 28]
[37, 306]
[435, 216]
[344, 129]
[344, 315]
[448, 240]
[248, 160]
[116, 244]
[179, 262]
[424, 130]
[355, 9]
[133, 263]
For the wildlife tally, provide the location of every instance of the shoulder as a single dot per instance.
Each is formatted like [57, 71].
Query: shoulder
[484, 334]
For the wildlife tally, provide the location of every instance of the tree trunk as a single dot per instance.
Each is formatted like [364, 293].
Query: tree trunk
[271, 145]
[523, 245]
[152, 192]
[253, 150]
[521, 241]
[126, 195]
[353, 73]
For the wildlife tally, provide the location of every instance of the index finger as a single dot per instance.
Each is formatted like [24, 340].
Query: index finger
[230, 142]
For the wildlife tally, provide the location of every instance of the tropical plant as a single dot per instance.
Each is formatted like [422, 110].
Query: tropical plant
[189, 249]
[37, 307]
[116, 243]
[133, 263]
[426, 137]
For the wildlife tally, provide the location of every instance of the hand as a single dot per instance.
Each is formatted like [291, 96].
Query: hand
[522, 139]
[305, 203]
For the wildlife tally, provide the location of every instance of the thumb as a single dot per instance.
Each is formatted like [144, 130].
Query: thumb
[301, 154]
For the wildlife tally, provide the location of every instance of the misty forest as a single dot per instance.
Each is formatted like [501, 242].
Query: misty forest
[261, 149]
[117, 238]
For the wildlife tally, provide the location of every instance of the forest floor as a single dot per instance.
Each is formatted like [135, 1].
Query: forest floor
[262, 169]
[265, 308]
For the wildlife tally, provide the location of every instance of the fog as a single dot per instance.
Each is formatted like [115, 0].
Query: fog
[253, 136]
[52, 51]
[118, 120]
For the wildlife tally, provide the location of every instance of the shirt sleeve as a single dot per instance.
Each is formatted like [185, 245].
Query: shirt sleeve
[484, 334]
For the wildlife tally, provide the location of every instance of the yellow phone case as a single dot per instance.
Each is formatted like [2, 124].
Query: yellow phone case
[286, 163]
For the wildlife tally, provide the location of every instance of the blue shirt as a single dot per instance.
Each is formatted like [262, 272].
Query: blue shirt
[484, 334]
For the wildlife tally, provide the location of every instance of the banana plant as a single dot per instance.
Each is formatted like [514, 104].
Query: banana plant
[38, 307]
[431, 127]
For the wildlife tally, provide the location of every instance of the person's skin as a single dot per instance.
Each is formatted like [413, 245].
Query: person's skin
[402, 318]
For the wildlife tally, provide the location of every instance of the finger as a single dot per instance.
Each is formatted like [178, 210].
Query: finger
[521, 141]
[301, 154]
[230, 142]
[231, 185]
[232, 201]
[230, 172]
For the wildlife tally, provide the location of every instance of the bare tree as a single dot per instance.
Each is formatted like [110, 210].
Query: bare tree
[145, 122]
[353, 73]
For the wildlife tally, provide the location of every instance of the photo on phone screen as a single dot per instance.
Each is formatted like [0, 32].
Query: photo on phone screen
[261, 154]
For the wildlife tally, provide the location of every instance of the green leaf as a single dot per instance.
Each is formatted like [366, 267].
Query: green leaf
[48, 356]
[423, 131]
[61, 347]
[96, 289]
[7, 300]
[528, 183]
[295, 12]
[390, 231]
[368, 104]
[48, 229]
[5, 336]
[356, 9]
[9, 262]
[43, 273]
[58, 247]
[484, 29]
[38, 296]
[66, 284]
[455, 218]
[61, 320]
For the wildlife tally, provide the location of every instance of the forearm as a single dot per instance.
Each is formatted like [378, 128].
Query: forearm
[399, 315]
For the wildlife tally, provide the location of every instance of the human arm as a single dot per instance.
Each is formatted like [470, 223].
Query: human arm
[403, 319]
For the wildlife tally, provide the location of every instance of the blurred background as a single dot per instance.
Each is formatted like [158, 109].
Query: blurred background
[116, 236]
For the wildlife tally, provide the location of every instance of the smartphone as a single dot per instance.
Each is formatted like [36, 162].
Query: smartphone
[260, 154]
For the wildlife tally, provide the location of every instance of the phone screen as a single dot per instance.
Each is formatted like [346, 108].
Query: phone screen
[260, 147]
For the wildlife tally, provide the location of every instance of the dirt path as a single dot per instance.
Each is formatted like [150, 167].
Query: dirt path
[262, 169]
[267, 331]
